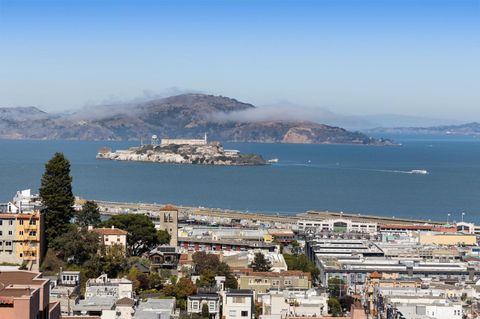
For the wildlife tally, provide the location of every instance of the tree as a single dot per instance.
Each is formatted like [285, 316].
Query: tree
[205, 312]
[163, 237]
[89, 215]
[76, 246]
[184, 288]
[335, 287]
[260, 263]
[203, 261]
[142, 235]
[300, 262]
[207, 278]
[57, 196]
[334, 307]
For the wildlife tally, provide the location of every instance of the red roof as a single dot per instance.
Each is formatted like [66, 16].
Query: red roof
[169, 208]
[110, 231]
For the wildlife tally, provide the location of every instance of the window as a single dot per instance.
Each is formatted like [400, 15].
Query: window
[238, 299]
[33, 233]
[21, 255]
[33, 222]
[1, 233]
[21, 221]
[287, 282]
[244, 313]
[211, 306]
[10, 222]
[10, 232]
[232, 313]
[195, 305]
[8, 243]
[20, 233]
[1, 222]
[275, 282]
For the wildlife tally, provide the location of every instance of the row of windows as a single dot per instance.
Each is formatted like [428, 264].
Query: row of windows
[275, 282]
[211, 306]
[233, 313]
[21, 221]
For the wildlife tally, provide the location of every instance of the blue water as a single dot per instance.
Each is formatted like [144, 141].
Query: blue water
[354, 179]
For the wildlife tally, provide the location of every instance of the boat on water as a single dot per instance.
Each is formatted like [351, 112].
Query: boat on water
[419, 171]
[273, 160]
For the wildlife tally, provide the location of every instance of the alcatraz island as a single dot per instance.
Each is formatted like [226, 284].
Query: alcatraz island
[183, 151]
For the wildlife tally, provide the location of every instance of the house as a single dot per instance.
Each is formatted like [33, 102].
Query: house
[295, 303]
[123, 309]
[238, 304]
[102, 294]
[25, 295]
[211, 299]
[164, 257]
[65, 289]
[156, 308]
[262, 282]
[112, 236]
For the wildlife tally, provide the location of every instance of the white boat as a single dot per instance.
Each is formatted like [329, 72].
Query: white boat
[419, 171]
[273, 160]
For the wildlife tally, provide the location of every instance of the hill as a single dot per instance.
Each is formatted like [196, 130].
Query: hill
[185, 115]
[468, 129]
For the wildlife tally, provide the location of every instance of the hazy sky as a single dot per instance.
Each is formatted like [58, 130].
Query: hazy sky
[353, 57]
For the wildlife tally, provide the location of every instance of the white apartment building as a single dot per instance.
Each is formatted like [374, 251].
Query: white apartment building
[239, 304]
[294, 303]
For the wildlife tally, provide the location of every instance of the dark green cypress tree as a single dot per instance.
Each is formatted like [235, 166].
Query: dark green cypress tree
[57, 196]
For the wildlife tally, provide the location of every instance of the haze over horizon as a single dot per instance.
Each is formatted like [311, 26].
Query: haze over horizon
[417, 58]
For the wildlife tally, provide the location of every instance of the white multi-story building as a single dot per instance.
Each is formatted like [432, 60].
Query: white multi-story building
[104, 286]
[294, 303]
[112, 236]
[340, 225]
[239, 304]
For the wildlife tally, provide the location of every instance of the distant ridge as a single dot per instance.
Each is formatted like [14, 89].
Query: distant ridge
[186, 115]
[467, 129]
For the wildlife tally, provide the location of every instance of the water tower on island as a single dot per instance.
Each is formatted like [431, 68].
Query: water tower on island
[154, 141]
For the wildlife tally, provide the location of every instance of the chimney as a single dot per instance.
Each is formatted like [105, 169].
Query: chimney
[113, 227]
[90, 227]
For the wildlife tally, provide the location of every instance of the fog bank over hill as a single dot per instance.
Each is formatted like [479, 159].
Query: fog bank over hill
[185, 115]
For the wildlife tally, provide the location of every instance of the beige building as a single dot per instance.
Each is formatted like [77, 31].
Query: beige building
[25, 295]
[260, 282]
[447, 239]
[22, 239]
[168, 218]
[112, 236]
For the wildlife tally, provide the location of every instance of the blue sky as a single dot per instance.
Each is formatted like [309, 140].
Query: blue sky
[352, 57]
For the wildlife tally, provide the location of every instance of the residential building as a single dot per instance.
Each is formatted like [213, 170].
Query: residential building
[65, 289]
[294, 303]
[22, 239]
[238, 304]
[164, 257]
[211, 244]
[104, 286]
[242, 259]
[156, 308]
[123, 309]
[210, 298]
[283, 236]
[262, 282]
[112, 237]
[101, 294]
[25, 295]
